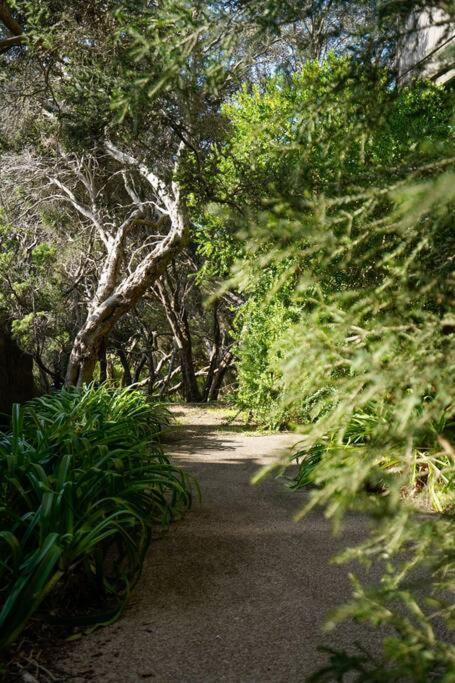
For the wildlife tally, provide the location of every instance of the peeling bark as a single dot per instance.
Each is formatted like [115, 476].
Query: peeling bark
[115, 296]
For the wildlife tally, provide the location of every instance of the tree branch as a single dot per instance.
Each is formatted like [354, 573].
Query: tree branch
[124, 158]
[8, 20]
[7, 43]
[83, 210]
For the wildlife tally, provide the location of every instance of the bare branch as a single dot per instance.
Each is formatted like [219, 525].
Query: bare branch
[8, 43]
[83, 210]
[158, 186]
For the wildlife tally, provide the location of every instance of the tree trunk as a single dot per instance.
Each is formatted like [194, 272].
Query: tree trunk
[178, 321]
[215, 353]
[190, 387]
[102, 319]
[103, 362]
[127, 379]
[218, 377]
[140, 366]
[169, 373]
[115, 297]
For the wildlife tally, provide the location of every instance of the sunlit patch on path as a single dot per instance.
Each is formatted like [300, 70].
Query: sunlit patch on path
[237, 591]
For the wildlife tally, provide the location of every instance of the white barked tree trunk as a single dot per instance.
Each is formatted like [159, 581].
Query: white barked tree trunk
[119, 290]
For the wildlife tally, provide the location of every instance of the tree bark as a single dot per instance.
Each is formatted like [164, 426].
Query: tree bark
[219, 376]
[191, 392]
[127, 379]
[114, 298]
[221, 357]
[178, 321]
[214, 356]
[103, 362]
[140, 366]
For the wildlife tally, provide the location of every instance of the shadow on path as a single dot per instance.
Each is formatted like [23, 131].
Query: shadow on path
[237, 591]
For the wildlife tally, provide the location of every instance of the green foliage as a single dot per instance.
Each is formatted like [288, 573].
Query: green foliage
[83, 483]
[43, 255]
[216, 243]
[37, 293]
[296, 156]
[350, 219]
[260, 325]
[344, 188]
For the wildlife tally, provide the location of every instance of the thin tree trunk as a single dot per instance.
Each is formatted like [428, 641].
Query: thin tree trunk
[55, 375]
[178, 320]
[140, 366]
[191, 390]
[103, 362]
[219, 376]
[169, 374]
[214, 356]
[127, 380]
[43, 381]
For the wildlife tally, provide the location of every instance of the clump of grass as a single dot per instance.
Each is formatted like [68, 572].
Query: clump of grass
[426, 475]
[83, 484]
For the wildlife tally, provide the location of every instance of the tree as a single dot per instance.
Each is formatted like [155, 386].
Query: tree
[123, 278]
[113, 298]
[169, 67]
[348, 328]
[148, 135]
[133, 156]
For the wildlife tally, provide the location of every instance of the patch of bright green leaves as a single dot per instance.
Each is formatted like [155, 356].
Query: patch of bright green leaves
[83, 485]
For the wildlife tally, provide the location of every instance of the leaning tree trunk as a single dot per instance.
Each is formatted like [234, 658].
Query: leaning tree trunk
[104, 316]
[218, 377]
[115, 297]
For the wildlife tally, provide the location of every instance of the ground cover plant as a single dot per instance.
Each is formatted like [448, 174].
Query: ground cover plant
[83, 486]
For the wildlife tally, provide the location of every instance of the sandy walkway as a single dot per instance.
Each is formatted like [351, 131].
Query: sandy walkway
[235, 592]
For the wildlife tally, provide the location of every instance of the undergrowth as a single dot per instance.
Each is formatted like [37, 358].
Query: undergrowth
[83, 485]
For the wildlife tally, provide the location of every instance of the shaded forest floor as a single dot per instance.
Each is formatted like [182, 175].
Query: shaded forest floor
[237, 591]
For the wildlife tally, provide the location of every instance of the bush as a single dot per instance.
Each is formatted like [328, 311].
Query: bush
[83, 483]
[350, 206]
[426, 476]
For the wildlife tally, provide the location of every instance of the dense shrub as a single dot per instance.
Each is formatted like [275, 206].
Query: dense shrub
[311, 158]
[83, 483]
[349, 188]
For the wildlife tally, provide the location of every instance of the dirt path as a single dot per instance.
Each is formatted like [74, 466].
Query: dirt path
[237, 591]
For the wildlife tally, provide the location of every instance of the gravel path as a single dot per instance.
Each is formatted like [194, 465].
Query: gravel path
[236, 591]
